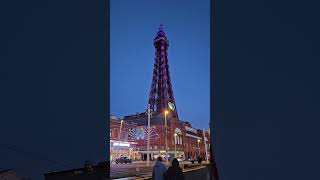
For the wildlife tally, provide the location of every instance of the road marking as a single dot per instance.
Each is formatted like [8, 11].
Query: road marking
[197, 168]
[143, 178]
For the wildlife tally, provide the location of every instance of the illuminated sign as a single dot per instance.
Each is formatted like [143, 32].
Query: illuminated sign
[142, 133]
[171, 106]
[126, 142]
[191, 130]
[190, 135]
[121, 144]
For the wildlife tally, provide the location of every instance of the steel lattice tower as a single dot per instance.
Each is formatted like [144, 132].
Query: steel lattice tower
[161, 92]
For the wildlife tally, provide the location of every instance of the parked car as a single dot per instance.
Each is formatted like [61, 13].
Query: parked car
[191, 160]
[123, 160]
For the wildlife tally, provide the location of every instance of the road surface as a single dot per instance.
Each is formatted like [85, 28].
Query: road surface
[138, 168]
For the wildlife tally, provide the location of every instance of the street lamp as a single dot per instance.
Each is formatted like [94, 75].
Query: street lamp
[120, 129]
[175, 145]
[120, 136]
[148, 145]
[165, 121]
[205, 145]
[199, 146]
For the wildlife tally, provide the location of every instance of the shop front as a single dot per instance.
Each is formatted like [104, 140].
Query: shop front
[142, 155]
[121, 149]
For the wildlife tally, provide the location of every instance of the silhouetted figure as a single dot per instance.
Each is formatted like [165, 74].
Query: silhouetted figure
[199, 159]
[175, 172]
[192, 160]
[159, 170]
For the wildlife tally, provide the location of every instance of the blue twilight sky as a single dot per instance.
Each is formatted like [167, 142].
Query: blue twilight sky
[133, 26]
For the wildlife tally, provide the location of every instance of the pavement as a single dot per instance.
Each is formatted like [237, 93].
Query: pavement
[127, 170]
[137, 169]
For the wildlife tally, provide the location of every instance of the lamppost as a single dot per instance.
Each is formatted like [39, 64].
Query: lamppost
[205, 145]
[148, 145]
[199, 147]
[175, 145]
[165, 122]
[120, 130]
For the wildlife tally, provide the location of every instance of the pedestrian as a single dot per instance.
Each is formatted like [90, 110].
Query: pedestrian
[199, 159]
[159, 170]
[175, 172]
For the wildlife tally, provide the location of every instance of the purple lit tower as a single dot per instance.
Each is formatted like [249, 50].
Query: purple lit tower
[161, 93]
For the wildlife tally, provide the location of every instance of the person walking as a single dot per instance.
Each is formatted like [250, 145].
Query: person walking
[159, 170]
[175, 172]
[199, 159]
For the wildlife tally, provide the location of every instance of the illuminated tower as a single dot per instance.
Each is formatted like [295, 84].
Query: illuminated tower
[161, 93]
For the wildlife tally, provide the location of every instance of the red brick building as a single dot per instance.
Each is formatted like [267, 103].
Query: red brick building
[188, 142]
[120, 144]
[194, 140]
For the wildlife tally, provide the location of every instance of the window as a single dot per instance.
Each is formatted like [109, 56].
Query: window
[126, 136]
[116, 133]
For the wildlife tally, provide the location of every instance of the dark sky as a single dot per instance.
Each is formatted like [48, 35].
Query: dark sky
[53, 94]
[266, 98]
[133, 27]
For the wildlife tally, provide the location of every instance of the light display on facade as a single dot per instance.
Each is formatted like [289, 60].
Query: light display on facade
[172, 107]
[141, 133]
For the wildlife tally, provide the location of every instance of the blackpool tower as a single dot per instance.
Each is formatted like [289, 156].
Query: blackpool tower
[161, 94]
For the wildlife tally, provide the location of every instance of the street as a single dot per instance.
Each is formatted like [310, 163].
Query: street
[127, 170]
[137, 168]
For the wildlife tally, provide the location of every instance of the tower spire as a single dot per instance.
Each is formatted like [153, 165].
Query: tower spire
[161, 94]
[161, 27]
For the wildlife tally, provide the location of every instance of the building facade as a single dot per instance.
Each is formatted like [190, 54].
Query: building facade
[183, 141]
[120, 144]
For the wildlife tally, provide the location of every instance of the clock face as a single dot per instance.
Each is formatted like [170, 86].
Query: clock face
[171, 106]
